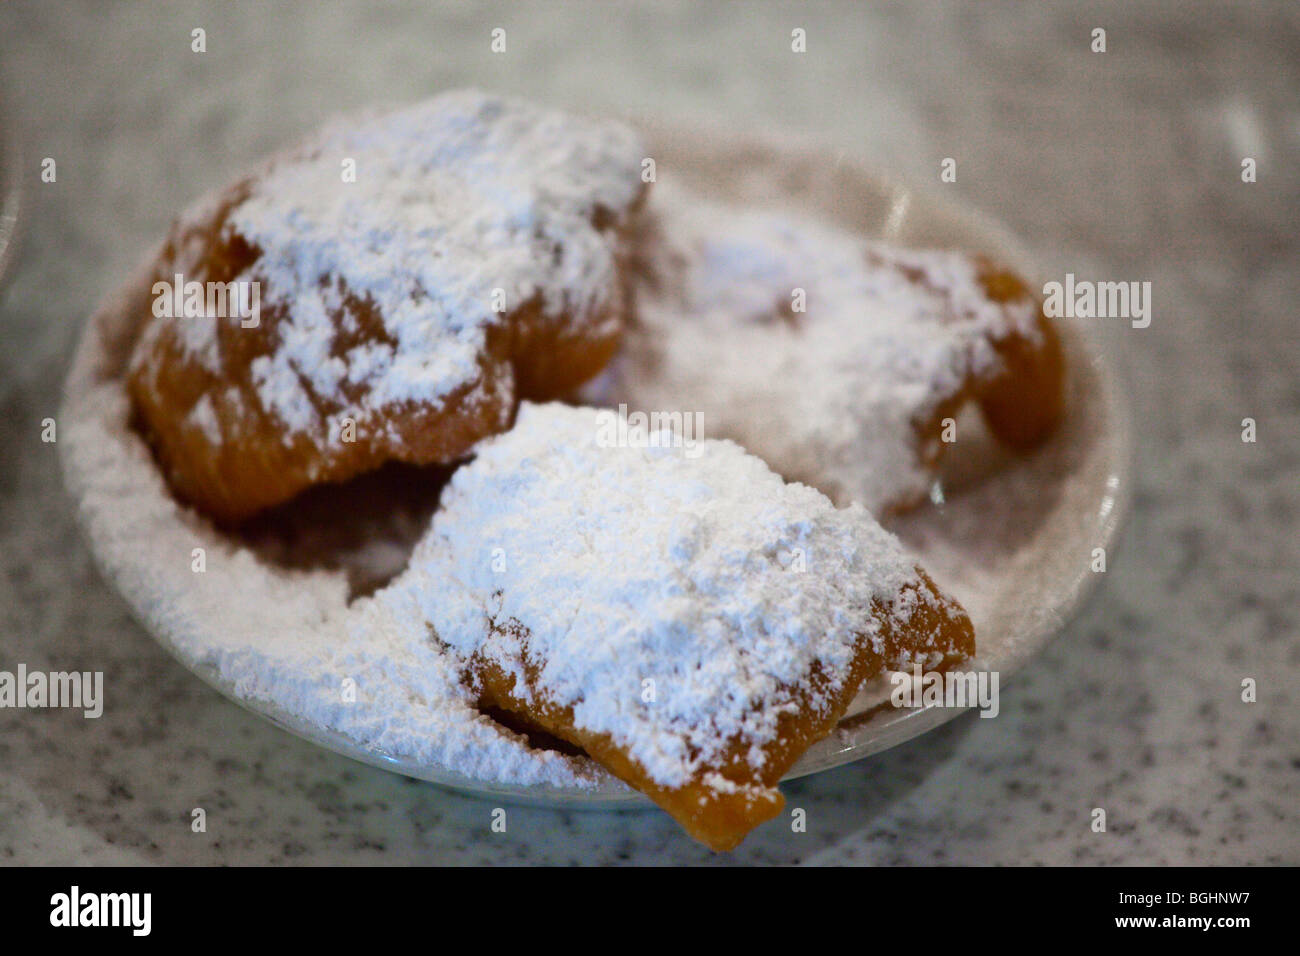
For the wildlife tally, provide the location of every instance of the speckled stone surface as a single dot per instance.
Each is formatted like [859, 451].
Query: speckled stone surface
[1122, 165]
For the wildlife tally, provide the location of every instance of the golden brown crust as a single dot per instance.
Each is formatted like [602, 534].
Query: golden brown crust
[257, 462]
[1023, 398]
[727, 800]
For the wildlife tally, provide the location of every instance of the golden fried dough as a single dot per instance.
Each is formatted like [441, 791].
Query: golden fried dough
[413, 276]
[689, 620]
[729, 797]
[833, 358]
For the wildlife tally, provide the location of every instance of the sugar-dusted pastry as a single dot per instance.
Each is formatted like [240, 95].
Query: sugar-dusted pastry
[417, 273]
[690, 621]
[833, 358]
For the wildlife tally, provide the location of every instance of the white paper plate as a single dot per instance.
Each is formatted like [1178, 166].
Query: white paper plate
[1013, 538]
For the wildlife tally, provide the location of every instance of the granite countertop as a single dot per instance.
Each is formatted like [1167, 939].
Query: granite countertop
[1123, 165]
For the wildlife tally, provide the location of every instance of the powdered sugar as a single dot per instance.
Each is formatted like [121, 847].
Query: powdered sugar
[286, 641]
[681, 568]
[442, 218]
[707, 580]
[375, 672]
[204, 418]
[831, 396]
